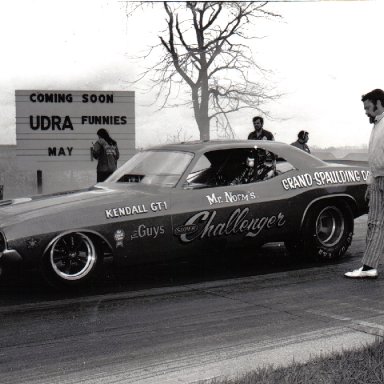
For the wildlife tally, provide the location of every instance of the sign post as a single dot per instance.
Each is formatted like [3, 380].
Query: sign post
[39, 175]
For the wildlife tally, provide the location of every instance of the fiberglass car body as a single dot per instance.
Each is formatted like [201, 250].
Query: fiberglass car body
[174, 199]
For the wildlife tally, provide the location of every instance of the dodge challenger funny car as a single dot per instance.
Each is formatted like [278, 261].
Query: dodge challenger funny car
[174, 200]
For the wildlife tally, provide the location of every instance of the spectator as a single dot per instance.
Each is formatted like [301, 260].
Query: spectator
[105, 150]
[302, 140]
[373, 253]
[259, 133]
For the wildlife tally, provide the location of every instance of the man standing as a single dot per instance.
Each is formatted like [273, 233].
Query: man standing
[301, 142]
[374, 109]
[259, 133]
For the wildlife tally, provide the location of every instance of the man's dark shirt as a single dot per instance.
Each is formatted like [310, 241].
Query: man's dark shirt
[302, 146]
[265, 135]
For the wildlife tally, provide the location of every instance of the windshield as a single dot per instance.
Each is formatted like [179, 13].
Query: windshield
[163, 168]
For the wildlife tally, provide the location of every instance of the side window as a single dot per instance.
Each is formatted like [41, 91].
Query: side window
[283, 166]
[199, 175]
[234, 167]
[216, 168]
[260, 165]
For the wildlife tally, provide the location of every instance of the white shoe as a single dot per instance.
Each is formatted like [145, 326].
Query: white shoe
[359, 274]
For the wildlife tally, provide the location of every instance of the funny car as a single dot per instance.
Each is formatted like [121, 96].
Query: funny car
[179, 199]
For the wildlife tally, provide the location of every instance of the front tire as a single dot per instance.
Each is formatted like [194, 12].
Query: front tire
[71, 260]
[326, 233]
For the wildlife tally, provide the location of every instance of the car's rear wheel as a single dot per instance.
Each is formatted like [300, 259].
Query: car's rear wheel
[71, 260]
[326, 233]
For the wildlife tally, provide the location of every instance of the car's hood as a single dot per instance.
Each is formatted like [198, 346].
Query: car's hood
[97, 197]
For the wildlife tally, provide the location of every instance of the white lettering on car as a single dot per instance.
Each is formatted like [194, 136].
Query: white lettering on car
[159, 206]
[325, 178]
[230, 197]
[155, 206]
[237, 222]
[125, 211]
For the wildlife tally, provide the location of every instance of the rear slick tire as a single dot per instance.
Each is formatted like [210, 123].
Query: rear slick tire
[326, 233]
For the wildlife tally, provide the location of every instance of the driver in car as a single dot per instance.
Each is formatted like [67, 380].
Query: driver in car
[257, 166]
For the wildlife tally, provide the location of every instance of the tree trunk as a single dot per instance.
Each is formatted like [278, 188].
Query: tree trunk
[203, 124]
[203, 116]
[201, 110]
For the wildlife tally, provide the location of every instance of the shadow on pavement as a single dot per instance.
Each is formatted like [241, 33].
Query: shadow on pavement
[21, 286]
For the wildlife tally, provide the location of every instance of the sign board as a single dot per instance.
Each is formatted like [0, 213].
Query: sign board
[56, 129]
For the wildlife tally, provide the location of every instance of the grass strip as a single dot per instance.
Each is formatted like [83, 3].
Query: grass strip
[361, 366]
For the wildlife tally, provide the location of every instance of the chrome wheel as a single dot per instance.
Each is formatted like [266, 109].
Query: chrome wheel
[72, 256]
[330, 226]
[326, 233]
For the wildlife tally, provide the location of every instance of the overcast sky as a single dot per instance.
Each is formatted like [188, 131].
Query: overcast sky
[324, 55]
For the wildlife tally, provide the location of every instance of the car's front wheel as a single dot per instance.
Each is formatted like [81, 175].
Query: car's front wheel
[71, 260]
[326, 233]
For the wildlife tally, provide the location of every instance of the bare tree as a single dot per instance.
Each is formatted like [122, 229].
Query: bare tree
[179, 136]
[203, 47]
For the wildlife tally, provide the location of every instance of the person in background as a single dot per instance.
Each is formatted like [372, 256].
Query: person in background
[259, 133]
[374, 109]
[105, 150]
[302, 140]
